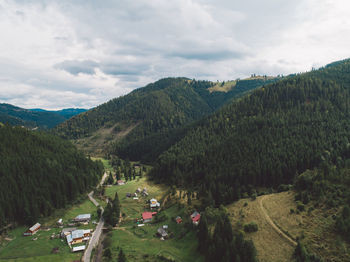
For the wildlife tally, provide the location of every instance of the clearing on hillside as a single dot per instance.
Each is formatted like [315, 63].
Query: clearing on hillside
[280, 224]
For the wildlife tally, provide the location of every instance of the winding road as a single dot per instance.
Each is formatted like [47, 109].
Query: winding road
[272, 224]
[97, 233]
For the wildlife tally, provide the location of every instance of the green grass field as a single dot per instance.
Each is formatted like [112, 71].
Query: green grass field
[140, 243]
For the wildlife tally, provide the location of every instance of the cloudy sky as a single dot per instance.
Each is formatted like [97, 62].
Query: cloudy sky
[81, 53]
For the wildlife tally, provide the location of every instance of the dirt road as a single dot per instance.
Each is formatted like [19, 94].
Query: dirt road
[274, 226]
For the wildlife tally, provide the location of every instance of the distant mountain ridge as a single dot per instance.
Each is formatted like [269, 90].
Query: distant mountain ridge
[35, 118]
[145, 122]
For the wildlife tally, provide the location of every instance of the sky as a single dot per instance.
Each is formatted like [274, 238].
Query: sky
[81, 53]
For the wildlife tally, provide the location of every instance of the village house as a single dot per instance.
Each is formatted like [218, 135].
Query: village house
[144, 192]
[154, 203]
[83, 218]
[147, 216]
[78, 236]
[60, 222]
[195, 217]
[31, 231]
[120, 182]
[162, 232]
[178, 220]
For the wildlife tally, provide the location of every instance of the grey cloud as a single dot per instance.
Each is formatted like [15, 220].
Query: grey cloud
[213, 55]
[75, 67]
[124, 69]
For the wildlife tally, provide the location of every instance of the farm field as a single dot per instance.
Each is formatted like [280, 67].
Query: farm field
[140, 243]
[21, 248]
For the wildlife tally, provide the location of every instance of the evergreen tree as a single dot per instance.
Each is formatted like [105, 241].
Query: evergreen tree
[121, 256]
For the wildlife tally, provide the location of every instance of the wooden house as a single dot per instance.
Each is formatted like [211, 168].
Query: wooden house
[31, 231]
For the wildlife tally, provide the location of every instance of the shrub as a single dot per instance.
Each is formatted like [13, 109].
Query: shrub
[300, 206]
[251, 227]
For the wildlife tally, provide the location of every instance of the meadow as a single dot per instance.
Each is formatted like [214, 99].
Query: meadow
[141, 243]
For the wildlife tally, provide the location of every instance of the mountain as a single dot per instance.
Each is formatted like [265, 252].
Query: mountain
[39, 173]
[66, 113]
[147, 121]
[35, 118]
[265, 138]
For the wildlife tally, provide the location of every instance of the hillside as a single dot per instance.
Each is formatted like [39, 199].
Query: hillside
[34, 118]
[39, 173]
[66, 113]
[265, 138]
[146, 122]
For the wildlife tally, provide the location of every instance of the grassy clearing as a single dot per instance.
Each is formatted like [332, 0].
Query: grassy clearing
[25, 249]
[223, 86]
[133, 208]
[269, 244]
[141, 244]
[315, 228]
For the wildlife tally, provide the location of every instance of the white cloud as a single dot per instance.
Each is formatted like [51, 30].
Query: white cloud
[56, 54]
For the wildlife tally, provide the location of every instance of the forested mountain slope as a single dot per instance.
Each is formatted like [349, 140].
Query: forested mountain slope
[265, 138]
[148, 117]
[66, 113]
[34, 118]
[38, 173]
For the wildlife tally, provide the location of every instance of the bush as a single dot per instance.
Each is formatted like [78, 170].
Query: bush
[300, 206]
[251, 227]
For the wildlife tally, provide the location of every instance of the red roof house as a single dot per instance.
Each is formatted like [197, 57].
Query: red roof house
[178, 220]
[195, 217]
[147, 216]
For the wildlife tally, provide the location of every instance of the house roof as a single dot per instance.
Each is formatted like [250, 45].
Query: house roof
[68, 229]
[69, 238]
[78, 248]
[78, 234]
[196, 218]
[35, 227]
[162, 232]
[83, 216]
[195, 213]
[147, 215]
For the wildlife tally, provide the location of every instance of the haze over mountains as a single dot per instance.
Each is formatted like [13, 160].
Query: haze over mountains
[35, 118]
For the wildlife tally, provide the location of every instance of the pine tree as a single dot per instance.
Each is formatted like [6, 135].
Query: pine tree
[121, 256]
[203, 235]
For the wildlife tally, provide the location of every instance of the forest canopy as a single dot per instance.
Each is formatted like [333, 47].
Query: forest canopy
[39, 173]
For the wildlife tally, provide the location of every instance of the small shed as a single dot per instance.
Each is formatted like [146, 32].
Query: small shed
[178, 220]
[60, 222]
[31, 231]
[82, 218]
[120, 182]
[162, 232]
[78, 248]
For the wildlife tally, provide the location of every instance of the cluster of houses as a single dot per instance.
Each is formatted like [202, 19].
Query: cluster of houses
[72, 235]
[138, 192]
[76, 236]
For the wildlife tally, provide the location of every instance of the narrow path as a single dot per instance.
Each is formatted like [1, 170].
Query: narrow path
[97, 233]
[274, 226]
